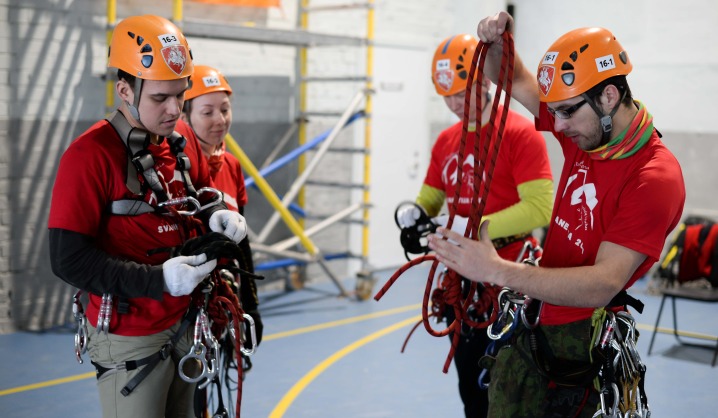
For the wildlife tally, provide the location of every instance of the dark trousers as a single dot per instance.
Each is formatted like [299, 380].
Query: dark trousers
[472, 346]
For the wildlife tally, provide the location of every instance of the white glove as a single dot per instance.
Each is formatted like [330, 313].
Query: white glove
[183, 273]
[459, 225]
[407, 216]
[229, 223]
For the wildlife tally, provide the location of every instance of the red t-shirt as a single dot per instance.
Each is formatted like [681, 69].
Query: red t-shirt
[634, 202]
[91, 175]
[522, 157]
[229, 179]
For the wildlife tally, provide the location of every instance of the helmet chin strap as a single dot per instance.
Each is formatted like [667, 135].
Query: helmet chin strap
[606, 120]
[134, 108]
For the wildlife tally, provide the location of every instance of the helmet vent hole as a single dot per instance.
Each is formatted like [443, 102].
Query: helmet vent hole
[568, 78]
[623, 56]
[147, 48]
[132, 35]
[583, 48]
[573, 56]
[566, 66]
[140, 40]
[147, 61]
[463, 74]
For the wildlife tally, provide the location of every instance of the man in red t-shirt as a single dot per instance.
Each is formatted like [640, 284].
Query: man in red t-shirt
[620, 194]
[519, 202]
[110, 237]
[208, 113]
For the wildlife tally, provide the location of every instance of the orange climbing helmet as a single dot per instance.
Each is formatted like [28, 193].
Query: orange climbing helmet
[150, 48]
[206, 79]
[578, 61]
[451, 64]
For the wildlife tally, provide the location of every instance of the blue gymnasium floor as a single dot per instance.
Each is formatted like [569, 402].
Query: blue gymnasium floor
[324, 356]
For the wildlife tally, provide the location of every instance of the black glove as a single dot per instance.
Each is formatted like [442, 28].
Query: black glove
[258, 326]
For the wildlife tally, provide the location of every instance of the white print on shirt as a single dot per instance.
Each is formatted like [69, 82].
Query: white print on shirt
[583, 199]
[167, 228]
[449, 176]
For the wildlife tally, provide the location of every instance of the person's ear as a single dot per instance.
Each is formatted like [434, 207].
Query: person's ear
[124, 91]
[611, 96]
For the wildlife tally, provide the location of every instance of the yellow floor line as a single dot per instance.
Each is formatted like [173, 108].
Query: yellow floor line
[680, 333]
[318, 327]
[292, 394]
[47, 383]
[266, 338]
[341, 322]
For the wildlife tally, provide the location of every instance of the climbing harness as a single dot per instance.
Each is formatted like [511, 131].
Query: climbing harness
[514, 308]
[485, 152]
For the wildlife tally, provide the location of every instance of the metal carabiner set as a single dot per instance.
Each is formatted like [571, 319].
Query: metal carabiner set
[205, 353]
[78, 312]
[622, 373]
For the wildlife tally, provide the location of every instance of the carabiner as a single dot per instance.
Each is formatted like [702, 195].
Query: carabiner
[216, 200]
[181, 201]
[252, 335]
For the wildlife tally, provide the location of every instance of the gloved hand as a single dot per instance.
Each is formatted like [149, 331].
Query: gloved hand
[229, 223]
[258, 326]
[183, 273]
[407, 216]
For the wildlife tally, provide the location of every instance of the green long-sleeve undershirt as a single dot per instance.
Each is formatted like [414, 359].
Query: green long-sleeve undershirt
[531, 212]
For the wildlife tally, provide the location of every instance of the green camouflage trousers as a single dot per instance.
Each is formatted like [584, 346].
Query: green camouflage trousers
[517, 389]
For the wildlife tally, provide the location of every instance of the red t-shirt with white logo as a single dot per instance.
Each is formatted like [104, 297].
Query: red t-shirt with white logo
[522, 157]
[91, 175]
[633, 202]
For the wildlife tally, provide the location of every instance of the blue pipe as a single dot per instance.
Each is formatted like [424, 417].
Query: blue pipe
[287, 158]
[286, 262]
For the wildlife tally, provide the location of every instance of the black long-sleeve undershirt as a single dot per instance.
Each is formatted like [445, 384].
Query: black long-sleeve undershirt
[75, 258]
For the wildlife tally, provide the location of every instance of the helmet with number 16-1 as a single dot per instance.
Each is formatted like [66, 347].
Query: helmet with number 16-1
[151, 48]
[451, 64]
[578, 61]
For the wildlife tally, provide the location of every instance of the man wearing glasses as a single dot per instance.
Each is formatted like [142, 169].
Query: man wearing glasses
[620, 194]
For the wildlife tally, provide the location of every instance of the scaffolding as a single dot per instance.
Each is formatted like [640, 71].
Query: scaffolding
[301, 38]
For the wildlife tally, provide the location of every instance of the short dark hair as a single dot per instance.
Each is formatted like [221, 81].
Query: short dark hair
[621, 84]
[123, 75]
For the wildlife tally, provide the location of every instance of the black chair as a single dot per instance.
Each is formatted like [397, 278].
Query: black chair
[697, 295]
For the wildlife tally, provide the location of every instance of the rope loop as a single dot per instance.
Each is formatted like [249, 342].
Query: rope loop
[485, 153]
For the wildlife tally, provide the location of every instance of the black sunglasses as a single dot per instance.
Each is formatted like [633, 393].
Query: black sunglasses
[566, 112]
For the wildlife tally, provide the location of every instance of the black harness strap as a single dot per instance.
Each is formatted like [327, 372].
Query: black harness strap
[150, 361]
[571, 373]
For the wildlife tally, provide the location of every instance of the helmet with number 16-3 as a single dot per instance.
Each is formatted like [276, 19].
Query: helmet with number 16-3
[451, 64]
[578, 61]
[150, 47]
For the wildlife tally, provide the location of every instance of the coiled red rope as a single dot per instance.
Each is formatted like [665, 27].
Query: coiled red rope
[485, 152]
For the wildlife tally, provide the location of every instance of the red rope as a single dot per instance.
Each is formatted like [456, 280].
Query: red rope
[485, 152]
